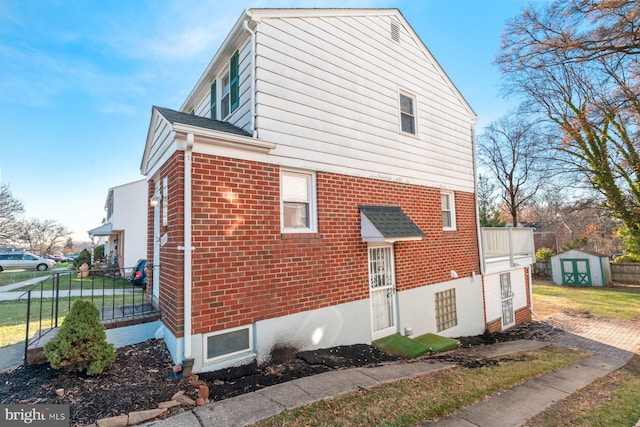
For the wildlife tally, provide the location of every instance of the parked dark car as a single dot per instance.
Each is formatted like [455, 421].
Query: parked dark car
[138, 276]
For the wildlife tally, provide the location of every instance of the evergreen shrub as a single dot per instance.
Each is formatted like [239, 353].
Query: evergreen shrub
[81, 343]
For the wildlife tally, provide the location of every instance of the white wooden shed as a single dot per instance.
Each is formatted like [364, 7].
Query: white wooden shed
[580, 268]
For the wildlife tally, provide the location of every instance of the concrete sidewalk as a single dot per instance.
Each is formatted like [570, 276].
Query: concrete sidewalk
[510, 408]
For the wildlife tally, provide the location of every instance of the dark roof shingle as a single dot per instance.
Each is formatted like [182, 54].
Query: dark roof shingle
[391, 222]
[199, 121]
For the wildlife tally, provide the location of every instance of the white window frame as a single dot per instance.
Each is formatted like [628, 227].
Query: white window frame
[451, 210]
[165, 201]
[311, 193]
[205, 344]
[225, 91]
[412, 114]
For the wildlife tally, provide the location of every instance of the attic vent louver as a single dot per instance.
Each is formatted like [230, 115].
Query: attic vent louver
[395, 32]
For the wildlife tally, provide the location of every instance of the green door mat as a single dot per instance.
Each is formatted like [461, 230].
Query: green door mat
[400, 345]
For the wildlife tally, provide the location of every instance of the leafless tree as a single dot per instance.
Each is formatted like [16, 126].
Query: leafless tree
[10, 210]
[577, 63]
[42, 236]
[511, 148]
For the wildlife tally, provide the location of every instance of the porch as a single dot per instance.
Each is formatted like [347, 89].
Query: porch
[504, 248]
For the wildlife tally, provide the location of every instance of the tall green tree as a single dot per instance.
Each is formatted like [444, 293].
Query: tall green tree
[577, 62]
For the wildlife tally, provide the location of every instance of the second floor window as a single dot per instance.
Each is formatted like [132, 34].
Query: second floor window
[407, 113]
[225, 97]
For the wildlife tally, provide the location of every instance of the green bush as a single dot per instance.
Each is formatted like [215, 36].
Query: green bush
[544, 254]
[85, 256]
[628, 258]
[81, 343]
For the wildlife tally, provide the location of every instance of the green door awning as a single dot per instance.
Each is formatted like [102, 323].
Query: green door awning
[387, 224]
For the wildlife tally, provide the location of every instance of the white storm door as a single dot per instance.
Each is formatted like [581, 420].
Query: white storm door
[506, 296]
[382, 287]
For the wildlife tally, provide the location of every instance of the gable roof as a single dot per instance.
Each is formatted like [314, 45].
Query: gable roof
[174, 117]
[250, 18]
[387, 224]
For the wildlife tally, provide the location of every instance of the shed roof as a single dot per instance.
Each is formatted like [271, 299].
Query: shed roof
[387, 224]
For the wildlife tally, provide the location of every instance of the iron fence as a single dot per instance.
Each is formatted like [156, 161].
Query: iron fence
[112, 290]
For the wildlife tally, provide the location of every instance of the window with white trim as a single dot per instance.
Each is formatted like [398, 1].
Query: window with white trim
[446, 312]
[297, 201]
[448, 210]
[228, 343]
[407, 113]
[226, 98]
[165, 201]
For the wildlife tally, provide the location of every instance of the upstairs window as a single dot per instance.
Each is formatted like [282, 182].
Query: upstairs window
[214, 100]
[226, 98]
[448, 210]
[297, 191]
[407, 113]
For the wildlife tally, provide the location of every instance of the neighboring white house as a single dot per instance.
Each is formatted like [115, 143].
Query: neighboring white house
[125, 225]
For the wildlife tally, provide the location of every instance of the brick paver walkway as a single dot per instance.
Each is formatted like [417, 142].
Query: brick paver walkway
[615, 338]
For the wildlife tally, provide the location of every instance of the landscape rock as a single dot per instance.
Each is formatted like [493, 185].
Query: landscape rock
[200, 401]
[119, 421]
[177, 395]
[203, 391]
[142, 416]
[186, 400]
[168, 404]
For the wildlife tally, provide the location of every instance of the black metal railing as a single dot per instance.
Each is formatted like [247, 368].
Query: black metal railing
[112, 290]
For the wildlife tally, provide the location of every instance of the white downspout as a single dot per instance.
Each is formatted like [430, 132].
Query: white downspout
[475, 195]
[187, 245]
[253, 78]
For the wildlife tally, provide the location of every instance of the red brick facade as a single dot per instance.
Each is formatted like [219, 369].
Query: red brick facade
[244, 270]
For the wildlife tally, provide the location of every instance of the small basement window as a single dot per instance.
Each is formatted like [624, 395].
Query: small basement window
[228, 343]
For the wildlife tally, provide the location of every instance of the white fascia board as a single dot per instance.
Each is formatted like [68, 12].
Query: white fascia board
[222, 138]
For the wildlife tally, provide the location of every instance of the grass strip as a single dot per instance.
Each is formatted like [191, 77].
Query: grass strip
[609, 401]
[430, 396]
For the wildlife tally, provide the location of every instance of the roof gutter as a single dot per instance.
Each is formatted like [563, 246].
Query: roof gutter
[253, 77]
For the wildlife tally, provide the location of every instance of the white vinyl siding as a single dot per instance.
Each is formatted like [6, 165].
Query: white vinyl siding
[327, 94]
[241, 116]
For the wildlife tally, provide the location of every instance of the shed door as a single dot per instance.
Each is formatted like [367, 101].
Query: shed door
[382, 286]
[575, 272]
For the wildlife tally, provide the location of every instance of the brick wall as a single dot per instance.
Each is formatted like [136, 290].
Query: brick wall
[245, 270]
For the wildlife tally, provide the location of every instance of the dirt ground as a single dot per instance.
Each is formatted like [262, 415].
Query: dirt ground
[142, 375]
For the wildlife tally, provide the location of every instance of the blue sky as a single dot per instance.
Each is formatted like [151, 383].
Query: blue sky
[78, 79]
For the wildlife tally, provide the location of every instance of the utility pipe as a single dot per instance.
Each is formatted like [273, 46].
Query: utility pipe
[187, 245]
[253, 77]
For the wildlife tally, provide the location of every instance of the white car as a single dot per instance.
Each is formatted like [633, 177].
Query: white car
[12, 261]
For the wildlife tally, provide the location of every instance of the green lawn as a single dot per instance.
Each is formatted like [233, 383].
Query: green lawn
[9, 277]
[615, 302]
[412, 401]
[13, 314]
[72, 281]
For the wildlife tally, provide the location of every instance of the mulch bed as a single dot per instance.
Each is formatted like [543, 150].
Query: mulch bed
[142, 375]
